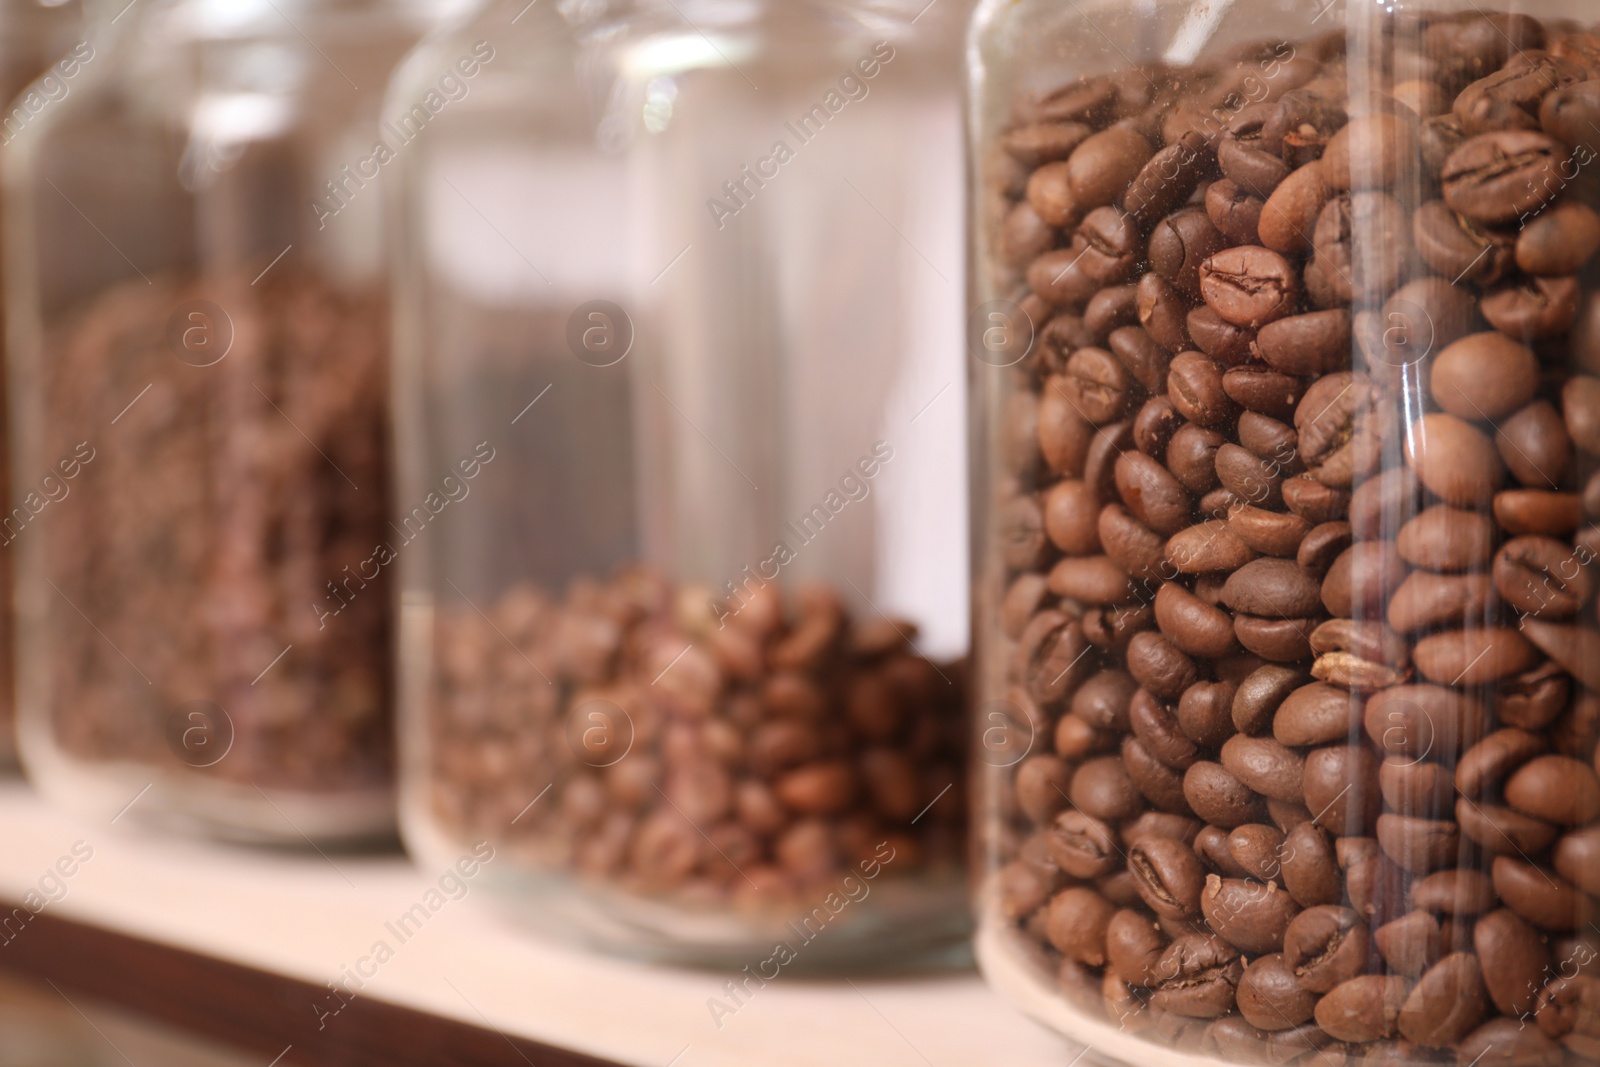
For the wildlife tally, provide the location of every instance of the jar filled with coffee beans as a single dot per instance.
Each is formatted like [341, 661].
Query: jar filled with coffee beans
[681, 491]
[199, 327]
[1287, 330]
[38, 40]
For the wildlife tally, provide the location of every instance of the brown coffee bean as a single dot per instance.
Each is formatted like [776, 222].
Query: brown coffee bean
[1271, 533]
[1257, 850]
[1235, 211]
[1219, 798]
[1052, 656]
[1275, 640]
[1383, 504]
[1049, 197]
[1194, 385]
[1249, 285]
[1083, 846]
[1360, 248]
[1507, 1042]
[1263, 390]
[1316, 714]
[1534, 309]
[1265, 766]
[1413, 787]
[1342, 788]
[1064, 433]
[1024, 887]
[1362, 656]
[1218, 338]
[1541, 576]
[1168, 876]
[1271, 997]
[1575, 648]
[1459, 248]
[1191, 624]
[1542, 898]
[1502, 176]
[1196, 977]
[1133, 947]
[1289, 215]
[1075, 922]
[1534, 699]
[1251, 480]
[1168, 179]
[1447, 1002]
[1154, 425]
[1454, 459]
[1252, 916]
[1180, 244]
[1362, 1009]
[1191, 457]
[1207, 548]
[1561, 240]
[1501, 831]
[1473, 656]
[1310, 871]
[1536, 511]
[1425, 601]
[1044, 142]
[1484, 376]
[1152, 494]
[1567, 113]
[1372, 151]
[1442, 538]
[1556, 789]
[1325, 946]
[1514, 959]
[1090, 580]
[1577, 858]
[1070, 510]
[1343, 422]
[1104, 698]
[1102, 788]
[1456, 891]
[1158, 665]
[1057, 278]
[1313, 501]
[1306, 345]
[1272, 587]
[829, 788]
[1104, 164]
[1418, 845]
[1410, 944]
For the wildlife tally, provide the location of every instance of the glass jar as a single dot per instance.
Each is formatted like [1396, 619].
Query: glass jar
[1287, 334]
[198, 324]
[36, 38]
[681, 476]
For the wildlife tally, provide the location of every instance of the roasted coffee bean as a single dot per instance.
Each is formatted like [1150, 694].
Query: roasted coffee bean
[1192, 457]
[1253, 481]
[1577, 858]
[1410, 944]
[1316, 714]
[1207, 548]
[1341, 784]
[1249, 285]
[1508, 1042]
[1446, 1004]
[1556, 789]
[1044, 142]
[1042, 783]
[1168, 876]
[1083, 846]
[1197, 977]
[1273, 587]
[1104, 165]
[1271, 533]
[1194, 385]
[1167, 179]
[1104, 699]
[1362, 1009]
[1443, 538]
[1473, 656]
[1534, 310]
[1270, 997]
[1306, 345]
[1343, 421]
[1260, 694]
[1313, 501]
[1070, 508]
[1541, 576]
[1514, 959]
[1180, 244]
[1383, 504]
[1537, 511]
[1219, 338]
[1500, 831]
[1052, 656]
[1561, 240]
[1152, 494]
[1205, 712]
[1575, 648]
[1425, 721]
[1102, 788]
[1545, 900]
[1265, 766]
[1076, 920]
[1454, 891]
[1250, 915]
[1426, 601]
[1503, 176]
[1134, 946]
[1235, 211]
[1416, 787]
[1533, 700]
[1289, 215]
[1454, 460]
[1219, 798]
[1263, 390]
[1418, 845]
[1484, 376]
[1321, 545]
[1191, 624]
[1325, 946]
[1373, 151]
[1162, 312]
[1458, 247]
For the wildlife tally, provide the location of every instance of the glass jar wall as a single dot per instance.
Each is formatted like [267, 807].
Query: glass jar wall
[1287, 679]
[35, 38]
[681, 476]
[198, 324]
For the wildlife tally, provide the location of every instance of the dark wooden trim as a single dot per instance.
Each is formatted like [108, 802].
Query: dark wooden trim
[252, 1009]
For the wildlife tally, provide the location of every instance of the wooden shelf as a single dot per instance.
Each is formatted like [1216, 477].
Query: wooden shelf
[239, 945]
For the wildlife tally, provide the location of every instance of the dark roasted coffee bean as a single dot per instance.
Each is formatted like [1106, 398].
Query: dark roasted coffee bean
[1503, 176]
[1137, 549]
[1321, 545]
[1235, 211]
[1197, 977]
[1219, 338]
[1249, 285]
[1446, 1004]
[1145, 360]
[1075, 922]
[1102, 788]
[1273, 587]
[1306, 345]
[1545, 900]
[1111, 308]
[1541, 576]
[1252, 916]
[1341, 783]
[1508, 1042]
[1134, 946]
[1325, 946]
[1152, 494]
[1168, 876]
[1192, 457]
[1459, 248]
[1271, 997]
[1289, 216]
[1343, 422]
[1561, 240]
[1194, 385]
[1194, 626]
[1254, 481]
[1104, 165]
[1310, 870]
[1083, 846]
[1316, 714]
[1052, 656]
[1276, 640]
[1180, 244]
[1360, 245]
[1261, 389]
[1260, 694]
[1536, 309]
[1168, 178]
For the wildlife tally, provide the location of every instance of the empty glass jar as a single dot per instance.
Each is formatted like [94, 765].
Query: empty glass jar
[681, 474]
[199, 334]
[1287, 338]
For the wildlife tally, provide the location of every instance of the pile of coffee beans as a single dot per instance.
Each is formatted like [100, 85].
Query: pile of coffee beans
[1296, 502]
[227, 443]
[628, 735]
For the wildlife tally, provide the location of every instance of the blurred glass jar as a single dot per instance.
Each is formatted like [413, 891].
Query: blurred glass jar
[1287, 634]
[679, 417]
[36, 37]
[198, 318]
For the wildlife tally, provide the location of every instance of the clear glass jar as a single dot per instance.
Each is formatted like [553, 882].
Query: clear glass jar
[198, 325]
[681, 475]
[1287, 679]
[35, 38]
